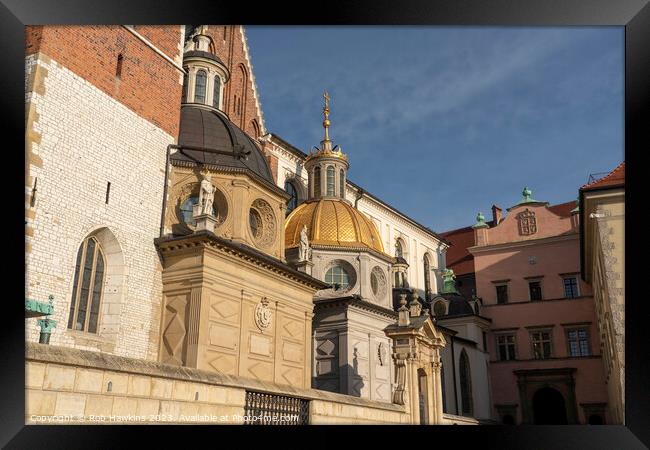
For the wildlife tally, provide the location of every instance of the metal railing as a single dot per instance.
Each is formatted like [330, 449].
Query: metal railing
[271, 409]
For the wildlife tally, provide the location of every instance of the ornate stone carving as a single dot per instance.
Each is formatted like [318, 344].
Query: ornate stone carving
[399, 396]
[304, 250]
[263, 314]
[527, 223]
[266, 235]
[382, 354]
[206, 195]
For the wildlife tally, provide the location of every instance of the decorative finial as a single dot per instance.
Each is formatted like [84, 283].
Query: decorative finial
[527, 196]
[415, 306]
[480, 221]
[326, 114]
[402, 302]
[448, 282]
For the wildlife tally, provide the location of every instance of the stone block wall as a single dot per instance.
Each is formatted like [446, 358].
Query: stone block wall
[82, 132]
[65, 386]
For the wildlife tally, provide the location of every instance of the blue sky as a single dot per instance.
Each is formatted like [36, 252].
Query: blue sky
[442, 122]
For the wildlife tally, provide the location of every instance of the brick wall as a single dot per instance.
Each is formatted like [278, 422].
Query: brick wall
[149, 85]
[240, 103]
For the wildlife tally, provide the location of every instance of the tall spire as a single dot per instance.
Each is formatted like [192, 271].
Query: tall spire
[326, 143]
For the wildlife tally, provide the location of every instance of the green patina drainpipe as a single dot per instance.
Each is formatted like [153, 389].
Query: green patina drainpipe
[34, 308]
[47, 324]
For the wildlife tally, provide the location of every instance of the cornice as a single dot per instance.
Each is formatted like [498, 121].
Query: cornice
[540, 241]
[210, 240]
[229, 169]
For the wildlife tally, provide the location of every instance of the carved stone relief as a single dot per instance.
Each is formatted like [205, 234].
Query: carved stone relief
[263, 315]
[267, 231]
[527, 223]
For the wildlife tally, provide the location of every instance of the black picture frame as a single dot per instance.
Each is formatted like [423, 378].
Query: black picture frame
[634, 15]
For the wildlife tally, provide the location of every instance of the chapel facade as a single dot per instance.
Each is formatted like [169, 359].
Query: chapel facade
[156, 223]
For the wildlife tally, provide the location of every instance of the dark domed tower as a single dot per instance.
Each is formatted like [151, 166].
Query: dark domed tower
[230, 302]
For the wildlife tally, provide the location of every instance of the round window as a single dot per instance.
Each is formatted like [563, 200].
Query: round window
[187, 209]
[187, 213]
[374, 283]
[338, 277]
[255, 222]
[377, 282]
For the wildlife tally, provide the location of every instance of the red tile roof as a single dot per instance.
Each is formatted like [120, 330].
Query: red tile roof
[615, 178]
[564, 209]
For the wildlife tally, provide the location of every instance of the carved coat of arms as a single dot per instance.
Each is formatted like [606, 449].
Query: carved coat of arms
[527, 223]
[263, 314]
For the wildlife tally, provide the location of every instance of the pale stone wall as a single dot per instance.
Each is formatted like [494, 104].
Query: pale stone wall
[606, 241]
[62, 383]
[79, 139]
[467, 328]
[224, 291]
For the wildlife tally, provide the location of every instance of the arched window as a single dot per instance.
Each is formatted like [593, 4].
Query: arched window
[330, 180]
[399, 250]
[427, 274]
[293, 201]
[216, 91]
[199, 86]
[342, 183]
[187, 209]
[317, 182]
[465, 385]
[338, 277]
[88, 287]
[439, 308]
[184, 95]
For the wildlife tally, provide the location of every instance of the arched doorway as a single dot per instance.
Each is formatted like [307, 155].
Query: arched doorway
[549, 407]
[422, 396]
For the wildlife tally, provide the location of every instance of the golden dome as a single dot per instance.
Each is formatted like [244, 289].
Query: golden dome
[331, 222]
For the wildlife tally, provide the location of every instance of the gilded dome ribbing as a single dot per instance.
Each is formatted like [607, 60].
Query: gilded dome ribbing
[332, 222]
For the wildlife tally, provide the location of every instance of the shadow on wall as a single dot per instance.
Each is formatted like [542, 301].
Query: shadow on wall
[345, 379]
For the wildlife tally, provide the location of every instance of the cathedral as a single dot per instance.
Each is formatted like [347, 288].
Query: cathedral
[185, 264]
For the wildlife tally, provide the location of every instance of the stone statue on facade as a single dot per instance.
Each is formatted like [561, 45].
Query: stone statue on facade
[304, 250]
[206, 195]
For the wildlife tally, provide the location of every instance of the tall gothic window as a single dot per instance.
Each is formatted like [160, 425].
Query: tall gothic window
[465, 385]
[317, 182]
[216, 91]
[293, 201]
[342, 183]
[330, 180]
[199, 87]
[87, 288]
[427, 274]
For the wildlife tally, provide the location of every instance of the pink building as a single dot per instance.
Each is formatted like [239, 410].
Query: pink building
[545, 363]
